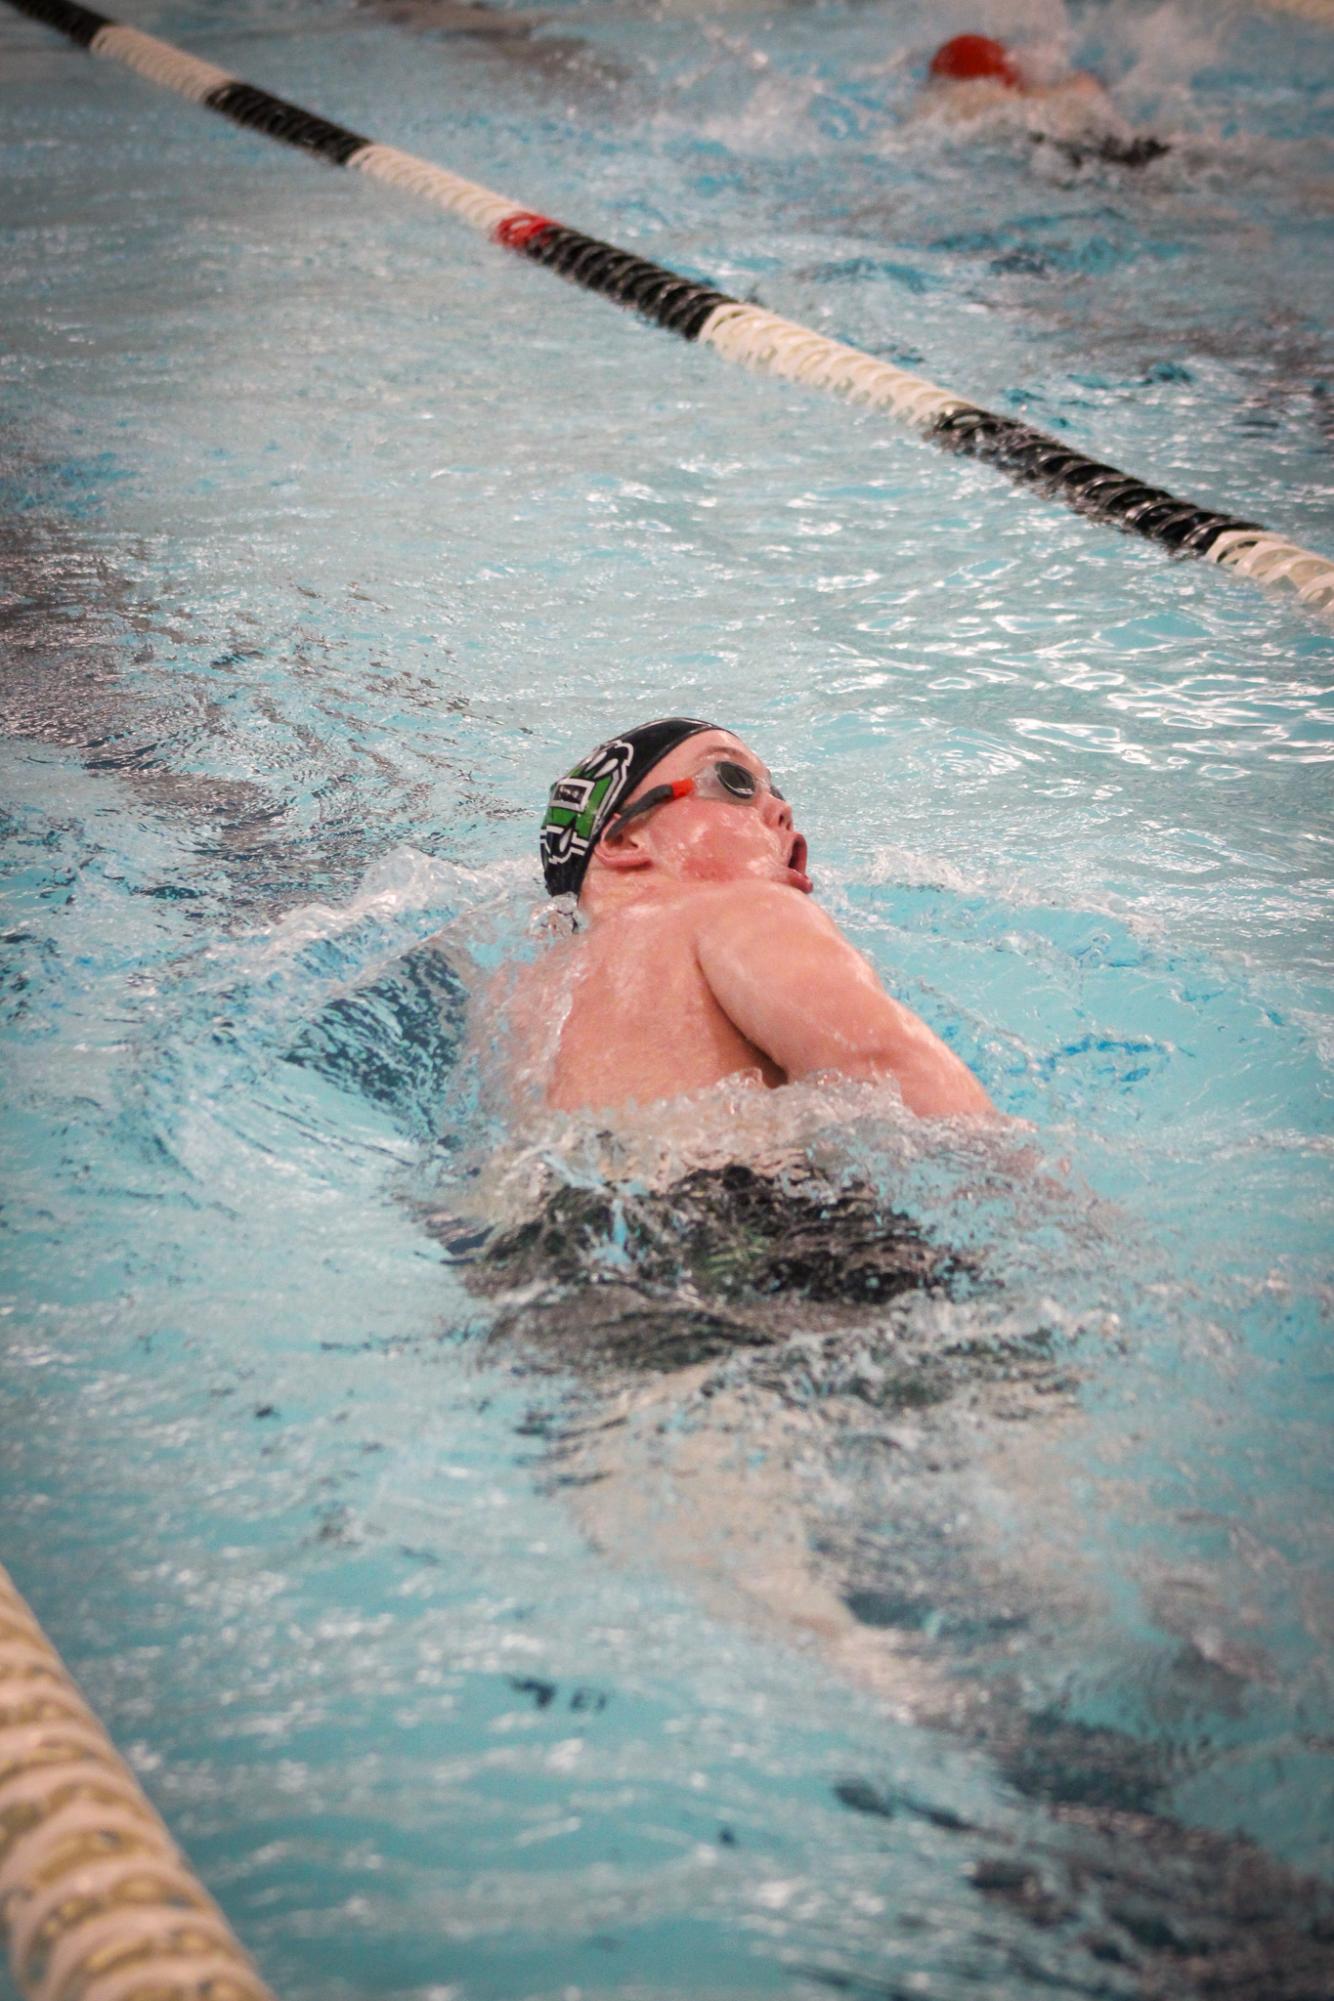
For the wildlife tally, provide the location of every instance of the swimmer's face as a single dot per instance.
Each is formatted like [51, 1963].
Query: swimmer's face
[705, 837]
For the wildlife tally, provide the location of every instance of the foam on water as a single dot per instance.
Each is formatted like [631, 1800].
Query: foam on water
[847, 1660]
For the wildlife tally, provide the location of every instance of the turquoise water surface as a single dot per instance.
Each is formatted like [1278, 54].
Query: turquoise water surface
[333, 534]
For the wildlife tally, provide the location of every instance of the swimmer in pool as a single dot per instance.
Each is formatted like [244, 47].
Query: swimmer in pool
[972, 77]
[699, 952]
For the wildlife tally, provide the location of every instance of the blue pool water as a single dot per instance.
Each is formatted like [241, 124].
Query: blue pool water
[332, 534]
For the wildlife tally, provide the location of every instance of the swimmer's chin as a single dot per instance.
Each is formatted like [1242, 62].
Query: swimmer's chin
[791, 875]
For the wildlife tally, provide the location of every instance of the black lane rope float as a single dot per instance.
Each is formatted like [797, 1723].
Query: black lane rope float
[742, 333]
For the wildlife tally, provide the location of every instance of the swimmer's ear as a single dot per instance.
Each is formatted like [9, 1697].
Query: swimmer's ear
[622, 851]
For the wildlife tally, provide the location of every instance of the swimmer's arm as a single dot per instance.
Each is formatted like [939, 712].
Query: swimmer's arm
[786, 977]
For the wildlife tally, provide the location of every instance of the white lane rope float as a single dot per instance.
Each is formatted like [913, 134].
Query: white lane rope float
[742, 333]
[96, 1901]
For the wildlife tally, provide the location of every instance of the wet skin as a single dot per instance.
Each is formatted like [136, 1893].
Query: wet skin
[702, 955]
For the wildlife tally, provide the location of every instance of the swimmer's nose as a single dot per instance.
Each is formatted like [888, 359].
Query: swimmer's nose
[777, 812]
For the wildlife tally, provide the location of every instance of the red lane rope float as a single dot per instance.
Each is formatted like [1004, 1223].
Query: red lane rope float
[516, 232]
[746, 334]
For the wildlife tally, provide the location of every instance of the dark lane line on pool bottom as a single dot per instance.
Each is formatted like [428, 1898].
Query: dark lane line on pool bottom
[93, 667]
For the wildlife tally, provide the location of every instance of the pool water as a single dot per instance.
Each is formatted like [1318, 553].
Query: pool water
[333, 534]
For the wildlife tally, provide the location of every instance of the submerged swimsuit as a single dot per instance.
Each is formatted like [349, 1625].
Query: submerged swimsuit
[1116, 152]
[729, 1233]
[725, 1258]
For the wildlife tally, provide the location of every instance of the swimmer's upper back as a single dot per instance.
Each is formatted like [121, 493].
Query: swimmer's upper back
[638, 1019]
[670, 997]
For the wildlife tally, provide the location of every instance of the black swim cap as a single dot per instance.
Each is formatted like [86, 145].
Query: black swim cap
[582, 802]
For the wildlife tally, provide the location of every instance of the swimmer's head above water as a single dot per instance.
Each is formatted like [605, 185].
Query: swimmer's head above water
[973, 67]
[604, 815]
[701, 955]
[973, 78]
[968, 58]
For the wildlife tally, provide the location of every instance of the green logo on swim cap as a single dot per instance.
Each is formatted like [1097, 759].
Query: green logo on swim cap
[575, 803]
[577, 810]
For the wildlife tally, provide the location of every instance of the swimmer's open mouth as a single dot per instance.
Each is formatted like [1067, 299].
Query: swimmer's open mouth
[796, 862]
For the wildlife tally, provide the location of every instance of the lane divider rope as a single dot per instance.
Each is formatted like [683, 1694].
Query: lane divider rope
[743, 333]
[97, 1903]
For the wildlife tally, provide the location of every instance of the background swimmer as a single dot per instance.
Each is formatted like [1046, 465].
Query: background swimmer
[699, 953]
[973, 77]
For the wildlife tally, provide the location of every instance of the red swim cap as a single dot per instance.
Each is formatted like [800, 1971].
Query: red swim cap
[970, 56]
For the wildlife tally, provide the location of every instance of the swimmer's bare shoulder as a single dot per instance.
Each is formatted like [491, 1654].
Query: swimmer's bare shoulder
[785, 975]
[733, 977]
[623, 1014]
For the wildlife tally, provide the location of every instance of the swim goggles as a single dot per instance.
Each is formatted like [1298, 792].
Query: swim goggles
[724, 780]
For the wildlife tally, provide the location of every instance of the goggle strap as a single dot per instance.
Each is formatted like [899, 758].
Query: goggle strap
[657, 795]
